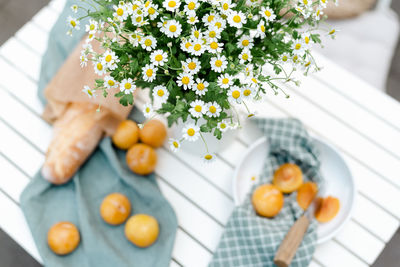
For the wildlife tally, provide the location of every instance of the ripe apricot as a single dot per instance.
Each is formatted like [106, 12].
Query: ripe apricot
[267, 200]
[153, 133]
[141, 159]
[288, 177]
[327, 209]
[115, 208]
[63, 238]
[306, 194]
[126, 135]
[142, 230]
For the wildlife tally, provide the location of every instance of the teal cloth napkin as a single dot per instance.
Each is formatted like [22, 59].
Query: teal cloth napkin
[251, 240]
[79, 200]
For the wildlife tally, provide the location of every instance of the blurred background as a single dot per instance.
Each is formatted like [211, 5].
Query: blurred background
[367, 45]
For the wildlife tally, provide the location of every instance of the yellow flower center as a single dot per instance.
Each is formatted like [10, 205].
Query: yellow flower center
[99, 66]
[212, 109]
[191, 132]
[198, 108]
[225, 80]
[332, 31]
[218, 63]
[192, 19]
[267, 13]
[185, 80]
[147, 110]
[297, 46]
[305, 2]
[245, 56]
[218, 24]
[254, 80]
[134, 7]
[73, 23]
[210, 18]
[138, 19]
[197, 47]
[212, 34]
[284, 58]
[236, 94]
[175, 144]
[159, 57]
[200, 86]
[208, 157]
[172, 28]
[307, 64]
[108, 58]
[245, 42]
[151, 11]
[295, 58]
[222, 125]
[196, 34]
[147, 4]
[191, 5]
[307, 39]
[91, 27]
[225, 6]
[128, 86]
[111, 82]
[192, 65]
[171, 4]
[214, 45]
[148, 42]
[237, 19]
[247, 92]
[139, 12]
[262, 28]
[120, 11]
[160, 93]
[149, 72]
[187, 45]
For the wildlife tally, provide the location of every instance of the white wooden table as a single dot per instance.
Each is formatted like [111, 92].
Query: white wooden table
[361, 122]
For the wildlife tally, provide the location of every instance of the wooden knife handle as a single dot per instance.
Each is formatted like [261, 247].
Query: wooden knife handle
[292, 240]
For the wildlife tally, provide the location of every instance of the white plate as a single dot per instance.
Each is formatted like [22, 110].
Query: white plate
[338, 181]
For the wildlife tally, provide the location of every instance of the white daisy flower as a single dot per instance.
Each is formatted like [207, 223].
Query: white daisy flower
[149, 73]
[332, 33]
[148, 110]
[213, 32]
[200, 86]
[121, 12]
[225, 81]
[248, 93]
[254, 82]
[295, 59]
[226, 6]
[148, 43]
[298, 47]
[223, 126]
[172, 5]
[90, 37]
[127, 86]
[198, 108]
[138, 18]
[191, 5]
[220, 23]
[317, 14]
[260, 30]
[218, 63]
[245, 56]
[214, 47]
[306, 37]
[285, 58]
[135, 39]
[86, 89]
[191, 132]
[74, 8]
[196, 34]
[92, 26]
[213, 109]
[158, 57]
[83, 59]
[209, 18]
[197, 48]
[186, 44]
[192, 18]
[110, 59]
[245, 42]
[209, 158]
[323, 3]
[152, 10]
[306, 3]
[235, 95]
[185, 80]
[237, 19]
[99, 68]
[109, 82]
[173, 29]
[132, 7]
[160, 94]
[268, 13]
[174, 144]
[192, 65]
[248, 69]
[73, 23]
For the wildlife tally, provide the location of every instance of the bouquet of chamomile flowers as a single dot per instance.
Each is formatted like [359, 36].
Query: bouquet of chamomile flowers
[201, 59]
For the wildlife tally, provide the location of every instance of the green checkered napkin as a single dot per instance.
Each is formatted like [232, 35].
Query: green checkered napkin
[251, 240]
